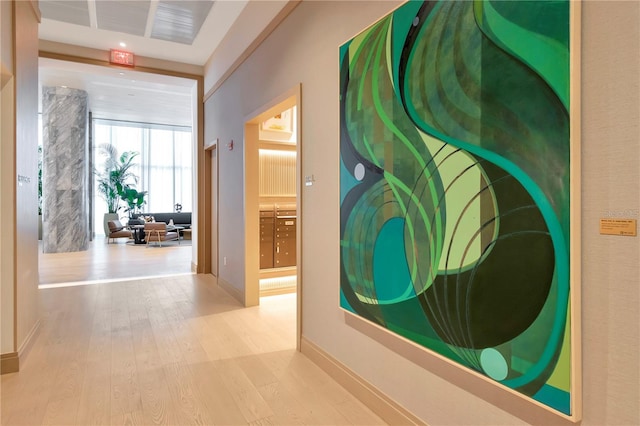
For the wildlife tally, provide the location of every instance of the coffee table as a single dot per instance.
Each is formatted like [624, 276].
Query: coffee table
[174, 228]
[138, 234]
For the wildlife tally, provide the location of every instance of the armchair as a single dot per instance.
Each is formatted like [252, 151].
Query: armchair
[116, 230]
[157, 232]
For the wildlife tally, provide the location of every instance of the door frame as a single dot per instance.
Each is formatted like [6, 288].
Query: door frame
[290, 98]
[213, 172]
[201, 259]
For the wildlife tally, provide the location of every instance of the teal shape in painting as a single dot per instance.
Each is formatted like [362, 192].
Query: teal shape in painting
[390, 270]
[347, 181]
[494, 364]
[555, 398]
[344, 303]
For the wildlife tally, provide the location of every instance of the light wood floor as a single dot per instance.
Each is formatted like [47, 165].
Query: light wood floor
[119, 260]
[175, 351]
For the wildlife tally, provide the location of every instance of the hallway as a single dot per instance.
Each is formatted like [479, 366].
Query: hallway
[170, 350]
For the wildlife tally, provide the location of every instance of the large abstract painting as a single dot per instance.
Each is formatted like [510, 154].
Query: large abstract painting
[455, 186]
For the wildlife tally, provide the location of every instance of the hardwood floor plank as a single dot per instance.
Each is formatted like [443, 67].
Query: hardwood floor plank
[61, 411]
[267, 421]
[146, 350]
[245, 394]
[189, 344]
[156, 399]
[125, 394]
[286, 407]
[99, 357]
[123, 357]
[68, 381]
[170, 350]
[134, 418]
[215, 396]
[256, 370]
[95, 401]
[185, 395]
[25, 409]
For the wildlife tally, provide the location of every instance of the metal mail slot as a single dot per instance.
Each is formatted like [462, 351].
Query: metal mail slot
[267, 225]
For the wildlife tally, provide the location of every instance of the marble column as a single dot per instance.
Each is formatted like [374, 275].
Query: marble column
[65, 173]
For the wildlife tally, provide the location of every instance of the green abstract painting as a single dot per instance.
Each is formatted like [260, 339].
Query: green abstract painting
[455, 186]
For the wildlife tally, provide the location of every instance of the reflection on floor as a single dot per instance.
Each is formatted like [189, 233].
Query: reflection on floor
[121, 260]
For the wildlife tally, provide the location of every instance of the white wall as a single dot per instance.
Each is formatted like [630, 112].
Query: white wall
[251, 19]
[19, 238]
[610, 186]
[7, 173]
[26, 272]
[305, 49]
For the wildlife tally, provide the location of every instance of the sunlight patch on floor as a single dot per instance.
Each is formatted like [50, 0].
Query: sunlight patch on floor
[109, 280]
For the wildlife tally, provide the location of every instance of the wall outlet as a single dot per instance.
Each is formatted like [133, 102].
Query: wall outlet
[224, 261]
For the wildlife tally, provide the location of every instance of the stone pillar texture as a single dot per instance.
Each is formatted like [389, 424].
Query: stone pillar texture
[65, 173]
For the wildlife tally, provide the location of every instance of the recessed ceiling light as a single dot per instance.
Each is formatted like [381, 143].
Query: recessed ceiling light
[121, 73]
[133, 81]
[123, 44]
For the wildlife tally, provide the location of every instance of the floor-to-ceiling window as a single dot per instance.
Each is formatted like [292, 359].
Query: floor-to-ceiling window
[163, 164]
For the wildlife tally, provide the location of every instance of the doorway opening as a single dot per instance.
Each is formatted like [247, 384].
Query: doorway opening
[273, 201]
[160, 111]
[212, 169]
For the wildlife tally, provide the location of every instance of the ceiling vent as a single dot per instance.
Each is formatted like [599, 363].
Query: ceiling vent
[178, 21]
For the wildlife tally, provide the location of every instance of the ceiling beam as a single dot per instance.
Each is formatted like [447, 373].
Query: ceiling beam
[93, 14]
[150, 18]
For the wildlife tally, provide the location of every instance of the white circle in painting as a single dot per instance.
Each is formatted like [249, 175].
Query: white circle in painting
[358, 172]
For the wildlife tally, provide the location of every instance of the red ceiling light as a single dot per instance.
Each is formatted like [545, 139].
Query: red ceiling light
[121, 57]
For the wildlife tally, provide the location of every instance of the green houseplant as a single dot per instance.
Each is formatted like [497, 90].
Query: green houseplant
[134, 199]
[114, 178]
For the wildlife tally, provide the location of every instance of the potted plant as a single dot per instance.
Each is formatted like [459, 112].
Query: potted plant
[134, 199]
[112, 179]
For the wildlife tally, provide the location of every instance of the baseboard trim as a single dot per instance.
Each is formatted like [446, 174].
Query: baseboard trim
[10, 362]
[237, 294]
[277, 291]
[389, 410]
[278, 272]
[27, 345]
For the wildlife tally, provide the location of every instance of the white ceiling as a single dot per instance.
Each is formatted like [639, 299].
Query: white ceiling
[104, 24]
[178, 30]
[122, 94]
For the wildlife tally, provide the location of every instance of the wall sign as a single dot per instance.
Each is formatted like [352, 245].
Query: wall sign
[121, 57]
[620, 227]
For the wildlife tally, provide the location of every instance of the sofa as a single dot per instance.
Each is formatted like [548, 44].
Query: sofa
[179, 219]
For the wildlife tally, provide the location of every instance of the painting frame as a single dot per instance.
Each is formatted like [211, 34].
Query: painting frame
[573, 327]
